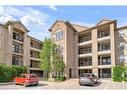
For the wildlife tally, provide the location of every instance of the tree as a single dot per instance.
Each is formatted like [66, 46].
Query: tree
[51, 60]
[58, 65]
[46, 56]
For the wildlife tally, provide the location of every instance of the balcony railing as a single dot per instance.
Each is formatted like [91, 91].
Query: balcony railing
[104, 48]
[17, 63]
[85, 64]
[84, 51]
[84, 39]
[17, 50]
[19, 38]
[36, 47]
[34, 66]
[104, 63]
[103, 34]
[33, 56]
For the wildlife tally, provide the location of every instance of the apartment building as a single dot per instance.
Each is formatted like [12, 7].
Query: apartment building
[17, 48]
[94, 49]
[35, 47]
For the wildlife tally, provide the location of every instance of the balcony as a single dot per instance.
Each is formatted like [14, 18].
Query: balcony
[36, 46]
[85, 55]
[85, 50]
[85, 64]
[85, 61]
[17, 50]
[104, 49]
[104, 60]
[17, 63]
[34, 66]
[17, 37]
[35, 58]
[84, 40]
[103, 34]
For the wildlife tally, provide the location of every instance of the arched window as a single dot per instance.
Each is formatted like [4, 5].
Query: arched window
[58, 35]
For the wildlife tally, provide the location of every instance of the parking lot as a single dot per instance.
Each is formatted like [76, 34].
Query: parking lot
[68, 84]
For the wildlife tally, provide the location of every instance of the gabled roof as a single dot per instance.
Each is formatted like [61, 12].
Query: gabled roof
[13, 22]
[35, 39]
[65, 22]
[103, 21]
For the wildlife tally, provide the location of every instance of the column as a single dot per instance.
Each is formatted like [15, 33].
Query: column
[94, 52]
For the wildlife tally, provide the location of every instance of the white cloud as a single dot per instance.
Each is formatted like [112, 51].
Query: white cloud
[34, 20]
[11, 11]
[53, 7]
[34, 17]
[5, 18]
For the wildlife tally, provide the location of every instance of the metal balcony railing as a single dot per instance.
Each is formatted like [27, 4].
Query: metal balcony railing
[85, 64]
[84, 39]
[103, 34]
[36, 47]
[17, 50]
[17, 63]
[85, 51]
[104, 63]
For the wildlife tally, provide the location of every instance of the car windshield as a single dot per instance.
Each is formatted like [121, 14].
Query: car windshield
[85, 75]
[32, 76]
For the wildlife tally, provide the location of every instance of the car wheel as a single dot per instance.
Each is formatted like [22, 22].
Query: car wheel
[36, 84]
[25, 84]
[80, 84]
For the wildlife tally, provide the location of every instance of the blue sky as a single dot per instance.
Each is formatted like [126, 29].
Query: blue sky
[38, 19]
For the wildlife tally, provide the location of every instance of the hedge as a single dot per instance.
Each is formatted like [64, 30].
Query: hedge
[7, 73]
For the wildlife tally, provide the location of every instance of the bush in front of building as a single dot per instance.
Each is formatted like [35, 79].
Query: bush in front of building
[7, 73]
[118, 73]
[60, 78]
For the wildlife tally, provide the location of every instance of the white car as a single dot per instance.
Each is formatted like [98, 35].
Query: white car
[88, 79]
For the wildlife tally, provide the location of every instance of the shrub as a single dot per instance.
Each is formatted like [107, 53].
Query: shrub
[60, 78]
[125, 79]
[118, 72]
[45, 78]
[7, 73]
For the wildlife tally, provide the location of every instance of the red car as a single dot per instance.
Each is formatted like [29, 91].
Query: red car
[27, 79]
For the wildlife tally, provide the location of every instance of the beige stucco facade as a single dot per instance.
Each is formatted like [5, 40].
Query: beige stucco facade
[89, 49]
[15, 47]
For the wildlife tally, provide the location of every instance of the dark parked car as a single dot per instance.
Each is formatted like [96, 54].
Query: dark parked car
[27, 79]
[88, 79]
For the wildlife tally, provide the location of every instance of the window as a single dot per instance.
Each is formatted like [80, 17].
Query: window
[106, 60]
[59, 35]
[122, 58]
[122, 45]
[122, 33]
[17, 36]
[61, 47]
[17, 49]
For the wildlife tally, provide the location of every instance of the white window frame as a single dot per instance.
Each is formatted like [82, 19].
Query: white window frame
[58, 35]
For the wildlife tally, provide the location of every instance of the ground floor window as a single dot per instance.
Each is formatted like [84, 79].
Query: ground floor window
[104, 73]
[38, 73]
